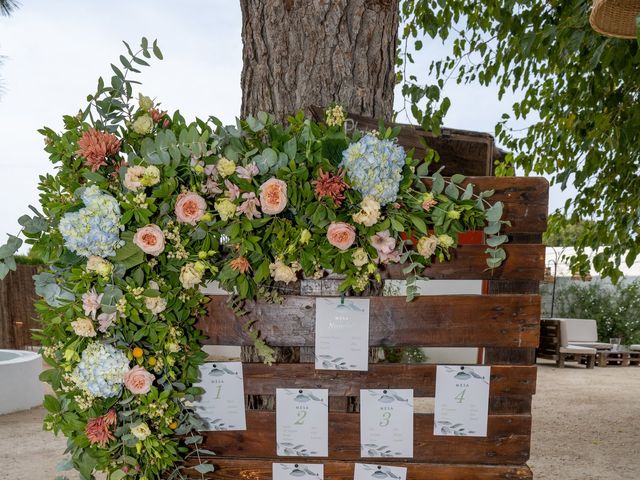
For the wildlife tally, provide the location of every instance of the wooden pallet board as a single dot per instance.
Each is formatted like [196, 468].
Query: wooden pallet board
[443, 320]
[260, 469]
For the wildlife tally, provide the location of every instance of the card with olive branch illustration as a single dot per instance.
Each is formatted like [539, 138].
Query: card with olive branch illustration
[221, 406]
[342, 334]
[365, 471]
[386, 423]
[462, 400]
[287, 471]
[302, 422]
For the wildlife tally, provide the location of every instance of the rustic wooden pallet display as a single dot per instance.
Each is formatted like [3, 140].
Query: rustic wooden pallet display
[505, 322]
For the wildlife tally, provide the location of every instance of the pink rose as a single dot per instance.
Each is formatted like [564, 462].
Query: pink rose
[273, 196]
[138, 380]
[150, 239]
[190, 207]
[341, 235]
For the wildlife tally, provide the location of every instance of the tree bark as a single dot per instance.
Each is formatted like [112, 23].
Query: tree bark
[299, 53]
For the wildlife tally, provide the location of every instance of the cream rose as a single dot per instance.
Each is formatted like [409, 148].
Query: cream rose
[341, 235]
[99, 265]
[143, 125]
[369, 213]
[190, 207]
[273, 196]
[150, 239]
[190, 276]
[141, 431]
[445, 240]
[281, 272]
[151, 176]
[225, 167]
[133, 177]
[83, 327]
[138, 381]
[225, 208]
[145, 102]
[155, 305]
[360, 257]
[427, 245]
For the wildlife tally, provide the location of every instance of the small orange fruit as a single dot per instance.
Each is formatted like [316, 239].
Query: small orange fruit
[152, 361]
[173, 425]
[137, 352]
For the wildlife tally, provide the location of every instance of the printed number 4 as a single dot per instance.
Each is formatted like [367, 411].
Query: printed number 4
[386, 417]
[460, 397]
[301, 416]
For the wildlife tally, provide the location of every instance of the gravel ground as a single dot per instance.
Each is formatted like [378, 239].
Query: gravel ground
[585, 426]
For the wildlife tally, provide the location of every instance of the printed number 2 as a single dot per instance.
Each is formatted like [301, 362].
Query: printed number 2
[386, 417]
[301, 416]
[218, 392]
[460, 397]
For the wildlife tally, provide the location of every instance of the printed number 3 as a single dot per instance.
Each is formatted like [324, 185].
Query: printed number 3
[301, 416]
[460, 397]
[386, 417]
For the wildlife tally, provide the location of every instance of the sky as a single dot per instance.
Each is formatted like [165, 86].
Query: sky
[53, 57]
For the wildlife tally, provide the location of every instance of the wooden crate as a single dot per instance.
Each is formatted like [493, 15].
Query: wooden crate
[505, 322]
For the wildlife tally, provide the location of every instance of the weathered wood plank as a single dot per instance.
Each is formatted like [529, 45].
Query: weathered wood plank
[260, 469]
[525, 200]
[507, 441]
[468, 262]
[260, 379]
[442, 320]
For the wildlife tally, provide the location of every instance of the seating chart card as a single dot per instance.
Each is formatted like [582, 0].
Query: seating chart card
[462, 400]
[367, 472]
[302, 422]
[287, 471]
[386, 423]
[342, 334]
[222, 404]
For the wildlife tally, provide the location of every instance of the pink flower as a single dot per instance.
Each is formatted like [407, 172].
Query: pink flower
[96, 147]
[105, 320]
[98, 428]
[341, 235]
[250, 205]
[233, 191]
[385, 244]
[273, 196]
[211, 171]
[211, 187]
[150, 239]
[91, 303]
[190, 207]
[138, 380]
[249, 172]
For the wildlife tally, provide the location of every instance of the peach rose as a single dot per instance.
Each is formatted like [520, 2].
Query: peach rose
[138, 380]
[190, 207]
[273, 196]
[341, 235]
[150, 239]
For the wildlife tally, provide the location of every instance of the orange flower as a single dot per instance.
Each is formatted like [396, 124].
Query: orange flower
[98, 428]
[240, 264]
[330, 185]
[96, 147]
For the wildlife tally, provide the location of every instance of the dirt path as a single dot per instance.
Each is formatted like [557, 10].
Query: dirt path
[586, 426]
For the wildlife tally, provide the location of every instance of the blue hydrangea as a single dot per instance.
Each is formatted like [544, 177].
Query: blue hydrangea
[94, 229]
[101, 370]
[374, 167]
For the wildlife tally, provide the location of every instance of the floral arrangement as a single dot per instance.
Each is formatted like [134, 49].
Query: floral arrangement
[145, 208]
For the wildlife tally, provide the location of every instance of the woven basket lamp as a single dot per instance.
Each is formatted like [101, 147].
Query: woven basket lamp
[615, 18]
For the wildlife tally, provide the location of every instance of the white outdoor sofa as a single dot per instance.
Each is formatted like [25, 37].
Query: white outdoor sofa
[556, 343]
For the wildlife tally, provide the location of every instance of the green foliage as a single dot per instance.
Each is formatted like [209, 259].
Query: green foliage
[562, 232]
[616, 309]
[580, 93]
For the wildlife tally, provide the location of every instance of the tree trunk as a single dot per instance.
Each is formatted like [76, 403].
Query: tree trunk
[299, 53]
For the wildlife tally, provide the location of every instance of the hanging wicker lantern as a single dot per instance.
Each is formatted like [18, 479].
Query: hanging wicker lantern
[615, 18]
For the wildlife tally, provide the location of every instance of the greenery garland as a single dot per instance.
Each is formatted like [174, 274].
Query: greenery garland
[145, 208]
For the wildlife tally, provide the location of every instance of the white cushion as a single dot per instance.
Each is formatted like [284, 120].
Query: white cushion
[598, 345]
[579, 330]
[635, 348]
[578, 350]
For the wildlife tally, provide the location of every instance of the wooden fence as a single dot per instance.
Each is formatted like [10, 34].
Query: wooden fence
[505, 322]
[17, 314]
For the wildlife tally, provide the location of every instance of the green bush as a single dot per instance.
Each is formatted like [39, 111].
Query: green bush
[616, 309]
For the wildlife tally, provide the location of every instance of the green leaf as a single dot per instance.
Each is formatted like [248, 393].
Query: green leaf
[452, 191]
[419, 223]
[51, 403]
[494, 241]
[396, 225]
[457, 178]
[468, 192]
[156, 50]
[494, 214]
[129, 255]
[204, 468]
[290, 148]
[438, 184]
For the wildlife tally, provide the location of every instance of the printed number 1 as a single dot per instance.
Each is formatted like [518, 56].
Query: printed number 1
[301, 416]
[460, 397]
[386, 417]
[218, 392]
